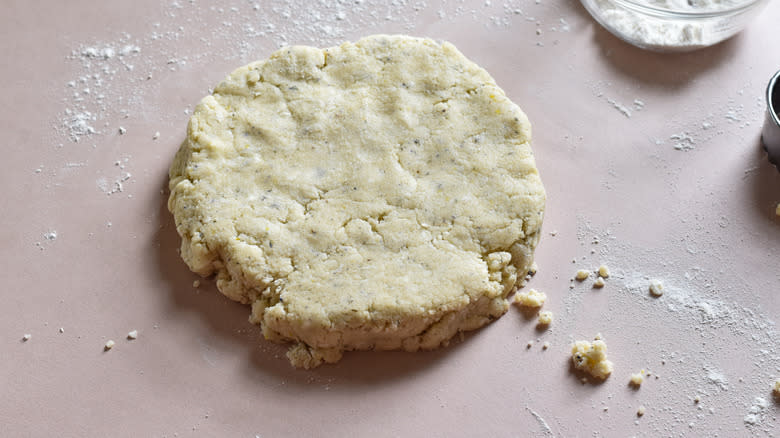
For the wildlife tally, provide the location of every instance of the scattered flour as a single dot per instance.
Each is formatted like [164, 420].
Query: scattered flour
[621, 108]
[116, 81]
[694, 329]
[78, 124]
[716, 378]
[757, 412]
[543, 424]
[682, 141]
[99, 96]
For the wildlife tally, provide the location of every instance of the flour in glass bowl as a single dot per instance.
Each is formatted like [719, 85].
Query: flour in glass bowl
[673, 34]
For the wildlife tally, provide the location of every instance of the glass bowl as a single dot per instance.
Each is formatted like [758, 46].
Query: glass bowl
[673, 25]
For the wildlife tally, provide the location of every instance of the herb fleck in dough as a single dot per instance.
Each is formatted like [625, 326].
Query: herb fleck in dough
[376, 195]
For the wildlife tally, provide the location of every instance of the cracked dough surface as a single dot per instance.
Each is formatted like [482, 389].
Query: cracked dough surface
[376, 195]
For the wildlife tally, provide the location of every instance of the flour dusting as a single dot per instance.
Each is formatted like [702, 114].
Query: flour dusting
[691, 330]
[682, 141]
[757, 412]
[543, 424]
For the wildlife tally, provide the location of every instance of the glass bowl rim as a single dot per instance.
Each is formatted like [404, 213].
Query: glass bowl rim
[644, 8]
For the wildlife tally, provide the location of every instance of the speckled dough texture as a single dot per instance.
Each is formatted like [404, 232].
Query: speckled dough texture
[377, 195]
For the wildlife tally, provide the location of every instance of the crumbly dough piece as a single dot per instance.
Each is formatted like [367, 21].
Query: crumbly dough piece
[591, 357]
[582, 275]
[603, 271]
[532, 298]
[776, 389]
[656, 288]
[545, 318]
[637, 379]
[376, 195]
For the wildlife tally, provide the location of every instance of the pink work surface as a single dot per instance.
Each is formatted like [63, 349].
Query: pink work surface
[651, 163]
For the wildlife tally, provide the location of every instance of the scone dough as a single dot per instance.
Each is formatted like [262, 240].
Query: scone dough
[376, 195]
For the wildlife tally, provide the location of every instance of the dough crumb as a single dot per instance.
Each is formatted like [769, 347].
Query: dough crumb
[62, 330]
[603, 271]
[26, 337]
[530, 344]
[303, 356]
[156, 135]
[545, 346]
[696, 399]
[122, 130]
[196, 284]
[582, 274]
[777, 209]
[640, 411]
[545, 318]
[776, 389]
[636, 380]
[591, 357]
[533, 269]
[599, 283]
[132, 335]
[109, 345]
[532, 298]
[656, 288]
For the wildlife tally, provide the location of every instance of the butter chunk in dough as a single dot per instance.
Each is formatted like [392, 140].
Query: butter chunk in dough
[377, 195]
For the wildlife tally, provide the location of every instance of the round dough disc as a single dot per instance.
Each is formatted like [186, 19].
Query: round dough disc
[376, 195]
